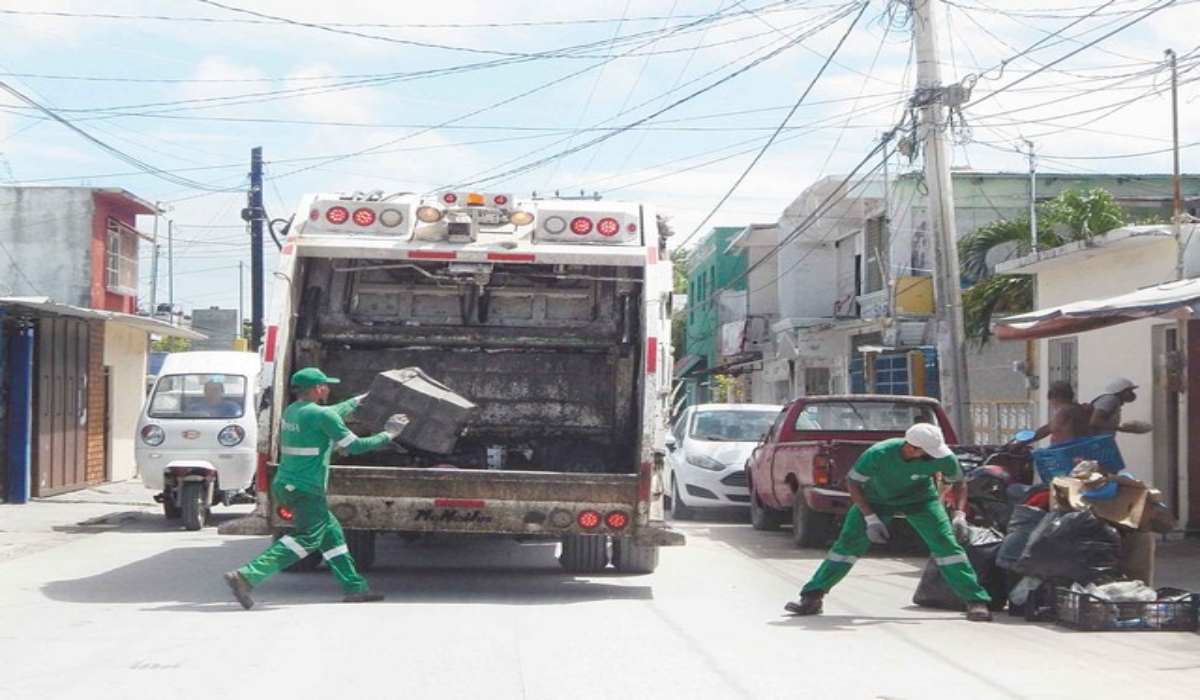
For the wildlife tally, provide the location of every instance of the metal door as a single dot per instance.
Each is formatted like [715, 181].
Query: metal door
[60, 416]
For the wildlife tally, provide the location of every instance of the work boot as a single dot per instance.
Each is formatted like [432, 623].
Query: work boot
[977, 611]
[809, 604]
[367, 596]
[241, 588]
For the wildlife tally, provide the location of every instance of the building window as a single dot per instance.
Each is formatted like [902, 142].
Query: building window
[1062, 360]
[875, 257]
[121, 259]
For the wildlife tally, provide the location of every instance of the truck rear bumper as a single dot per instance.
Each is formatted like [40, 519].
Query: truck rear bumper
[828, 500]
[527, 504]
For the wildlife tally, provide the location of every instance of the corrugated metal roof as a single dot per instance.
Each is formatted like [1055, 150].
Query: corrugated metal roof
[46, 306]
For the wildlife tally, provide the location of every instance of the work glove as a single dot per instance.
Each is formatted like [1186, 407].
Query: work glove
[360, 398]
[395, 425]
[962, 530]
[877, 532]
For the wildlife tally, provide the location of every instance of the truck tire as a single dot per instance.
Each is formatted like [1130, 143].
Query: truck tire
[810, 529]
[193, 505]
[679, 509]
[764, 519]
[361, 544]
[632, 558]
[584, 554]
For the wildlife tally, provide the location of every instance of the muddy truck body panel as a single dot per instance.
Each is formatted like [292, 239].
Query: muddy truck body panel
[551, 316]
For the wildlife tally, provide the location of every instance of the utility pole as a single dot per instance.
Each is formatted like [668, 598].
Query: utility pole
[1177, 203]
[171, 268]
[930, 97]
[1033, 231]
[254, 215]
[154, 265]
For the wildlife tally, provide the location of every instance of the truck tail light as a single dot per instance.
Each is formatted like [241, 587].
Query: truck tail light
[588, 520]
[285, 513]
[337, 215]
[364, 216]
[616, 520]
[821, 470]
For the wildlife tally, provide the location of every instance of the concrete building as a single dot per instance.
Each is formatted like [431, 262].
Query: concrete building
[1120, 304]
[72, 351]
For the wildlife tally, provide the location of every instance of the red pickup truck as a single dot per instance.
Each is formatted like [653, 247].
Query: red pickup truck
[798, 471]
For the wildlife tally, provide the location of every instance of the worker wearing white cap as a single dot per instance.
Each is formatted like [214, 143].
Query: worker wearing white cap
[1106, 409]
[896, 477]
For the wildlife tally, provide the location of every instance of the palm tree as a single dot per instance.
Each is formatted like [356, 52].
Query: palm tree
[1070, 216]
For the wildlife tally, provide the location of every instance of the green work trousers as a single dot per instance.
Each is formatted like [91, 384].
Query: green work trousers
[930, 521]
[317, 530]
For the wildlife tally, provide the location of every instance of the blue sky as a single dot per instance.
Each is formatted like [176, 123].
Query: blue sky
[685, 103]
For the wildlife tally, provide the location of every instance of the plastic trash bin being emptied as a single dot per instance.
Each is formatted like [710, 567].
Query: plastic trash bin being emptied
[436, 415]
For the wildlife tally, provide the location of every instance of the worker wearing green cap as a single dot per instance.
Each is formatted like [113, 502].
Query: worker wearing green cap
[309, 432]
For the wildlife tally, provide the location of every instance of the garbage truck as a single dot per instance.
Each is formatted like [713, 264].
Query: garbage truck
[551, 316]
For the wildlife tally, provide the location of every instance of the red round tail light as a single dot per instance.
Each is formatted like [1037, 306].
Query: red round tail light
[284, 513]
[364, 217]
[608, 226]
[581, 226]
[449, 198]
[500, 200]
[337, 215]
[588, 520]
[616, 520]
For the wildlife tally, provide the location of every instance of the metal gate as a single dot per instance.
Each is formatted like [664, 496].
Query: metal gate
[60, 415]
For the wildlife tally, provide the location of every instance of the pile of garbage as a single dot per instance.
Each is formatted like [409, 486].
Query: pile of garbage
[1078, 551]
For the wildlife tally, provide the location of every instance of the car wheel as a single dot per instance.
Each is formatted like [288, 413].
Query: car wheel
[810, 528]
[765, 519]
[679, 509]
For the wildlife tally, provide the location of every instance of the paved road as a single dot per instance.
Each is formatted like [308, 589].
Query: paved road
[126, 606]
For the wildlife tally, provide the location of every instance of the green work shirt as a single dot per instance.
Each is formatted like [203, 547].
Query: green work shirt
[308, 435]
[887, 479]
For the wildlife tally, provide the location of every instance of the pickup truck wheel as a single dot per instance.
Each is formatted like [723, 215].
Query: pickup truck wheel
[765, 519]
[632, 558]
[679, 509]
[810, 529]
[584, 554]
[361, 544]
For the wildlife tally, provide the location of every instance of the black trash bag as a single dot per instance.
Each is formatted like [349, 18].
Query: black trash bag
[1074, 547]
[981, 546]
[1021, 525]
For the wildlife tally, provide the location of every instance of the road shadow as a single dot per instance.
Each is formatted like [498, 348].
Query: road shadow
[189, 579]
[142, 521]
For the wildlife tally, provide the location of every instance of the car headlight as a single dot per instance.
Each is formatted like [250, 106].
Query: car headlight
[705, 462]
[153, 435]
[231, 435]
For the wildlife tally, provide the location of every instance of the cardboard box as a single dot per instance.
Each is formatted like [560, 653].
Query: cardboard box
[1136, 505]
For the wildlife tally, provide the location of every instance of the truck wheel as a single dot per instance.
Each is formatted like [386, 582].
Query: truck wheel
[309, 563]
[584, 554]
[810, 528]
[765, 519]
[632, 558]
[194, 507]
[679, 509]
[361, 544]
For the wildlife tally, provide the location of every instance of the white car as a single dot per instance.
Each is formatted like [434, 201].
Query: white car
[707, 451]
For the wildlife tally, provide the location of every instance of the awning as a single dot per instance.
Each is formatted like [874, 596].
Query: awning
[150, 325]
[1178, 300]
[685, 365]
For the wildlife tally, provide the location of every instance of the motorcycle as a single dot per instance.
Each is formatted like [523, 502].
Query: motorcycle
[998, 480]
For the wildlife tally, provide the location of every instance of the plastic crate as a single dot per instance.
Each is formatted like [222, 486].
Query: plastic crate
[1087, 613]
[1059, 460]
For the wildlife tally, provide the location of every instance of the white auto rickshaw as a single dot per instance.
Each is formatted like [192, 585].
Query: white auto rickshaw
[197, 435]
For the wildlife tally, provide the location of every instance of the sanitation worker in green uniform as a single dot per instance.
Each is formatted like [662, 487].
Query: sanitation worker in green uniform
[309, 432]
[896, 477]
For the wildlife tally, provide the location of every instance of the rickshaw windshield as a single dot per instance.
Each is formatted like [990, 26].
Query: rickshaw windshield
[198, 396]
